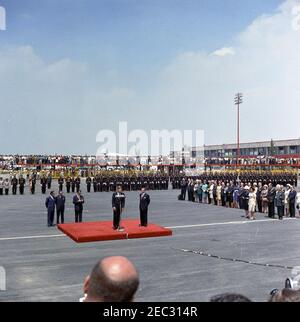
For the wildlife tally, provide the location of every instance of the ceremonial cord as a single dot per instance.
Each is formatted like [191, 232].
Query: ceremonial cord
[199, 252]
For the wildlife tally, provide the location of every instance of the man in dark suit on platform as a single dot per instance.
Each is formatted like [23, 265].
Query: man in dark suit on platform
[78, 202]
[50, 205]
[60, 207]
[118, 205]
[144, 204]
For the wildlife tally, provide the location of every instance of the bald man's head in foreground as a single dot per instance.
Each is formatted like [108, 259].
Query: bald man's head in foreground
[113, 279]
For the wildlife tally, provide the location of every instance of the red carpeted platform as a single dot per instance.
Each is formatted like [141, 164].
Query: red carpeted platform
[101, 231]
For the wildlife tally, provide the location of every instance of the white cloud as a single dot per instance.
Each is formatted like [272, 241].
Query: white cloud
[60, 106]
[54, 107]
[224, 51]
[200, 87]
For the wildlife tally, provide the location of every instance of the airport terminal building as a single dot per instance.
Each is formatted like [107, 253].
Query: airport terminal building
[278, 149]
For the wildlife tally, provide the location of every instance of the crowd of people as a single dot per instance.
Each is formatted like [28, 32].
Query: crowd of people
[116, 279]
[10, 162]
[252, 197]
[252, 161]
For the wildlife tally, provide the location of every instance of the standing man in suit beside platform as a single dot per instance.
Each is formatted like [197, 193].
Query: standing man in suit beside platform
[78, 202]
[60, 207]
[50, 205]
[144, 204]
[118, 205]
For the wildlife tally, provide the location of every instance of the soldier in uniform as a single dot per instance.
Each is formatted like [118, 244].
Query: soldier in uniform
[95, 183]
[43, 182]
[138, 183]
[100, 183]
[49, 181]
[119, 182]
[77, 181]
[32, 183]
[73, 184]
[151, 183]
[144, 205]
[126, 183]
[118, 205]
[14, 183]
[88, 184]
[112, 184]
[133, 183]
[68, 184]
[61, 183]
[105, 184]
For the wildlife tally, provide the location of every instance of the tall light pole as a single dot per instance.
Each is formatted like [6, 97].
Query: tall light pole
[238, 100]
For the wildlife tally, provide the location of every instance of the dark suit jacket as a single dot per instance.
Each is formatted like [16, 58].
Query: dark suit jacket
[144, 201]
[77, 203]
[118, 200]
[292, 196]
[50, 203]
[60, 202]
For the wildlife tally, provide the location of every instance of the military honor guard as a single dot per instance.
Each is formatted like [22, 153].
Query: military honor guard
[32, 182]
[73, 184]
[49, 181]
[61, 183]
[95, 184]
[68, 184]
[88, 184]
[43, 182]
[77, 183]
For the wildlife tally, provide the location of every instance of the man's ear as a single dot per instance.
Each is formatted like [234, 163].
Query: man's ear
[86, 285]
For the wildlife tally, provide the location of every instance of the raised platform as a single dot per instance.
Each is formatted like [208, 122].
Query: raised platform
[102, 231]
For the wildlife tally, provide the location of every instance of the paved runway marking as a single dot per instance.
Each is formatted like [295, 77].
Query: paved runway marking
[174, 227]
[228, 223]
[32, 237]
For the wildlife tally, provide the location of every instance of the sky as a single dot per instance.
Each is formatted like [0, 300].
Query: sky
[69, 69]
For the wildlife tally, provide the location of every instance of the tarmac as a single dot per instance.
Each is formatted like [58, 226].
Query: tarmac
[42, 264]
